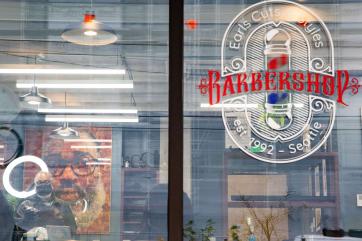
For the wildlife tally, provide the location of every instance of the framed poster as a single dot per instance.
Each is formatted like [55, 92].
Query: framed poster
[81, 178]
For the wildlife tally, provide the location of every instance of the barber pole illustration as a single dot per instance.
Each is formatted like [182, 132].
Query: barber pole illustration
[278, 108]
[277, 53]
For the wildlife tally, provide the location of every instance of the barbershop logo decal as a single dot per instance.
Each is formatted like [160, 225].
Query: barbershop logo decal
[277, 82]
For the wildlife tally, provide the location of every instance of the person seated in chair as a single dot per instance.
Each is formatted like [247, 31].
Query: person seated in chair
[44, 208]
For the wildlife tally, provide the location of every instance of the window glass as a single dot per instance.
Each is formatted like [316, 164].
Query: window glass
[271, 137]
[83, 120]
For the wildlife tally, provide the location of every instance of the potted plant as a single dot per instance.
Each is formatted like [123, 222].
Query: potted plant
[234, 233]
[208, 231]
[205, 234]
[189, 233]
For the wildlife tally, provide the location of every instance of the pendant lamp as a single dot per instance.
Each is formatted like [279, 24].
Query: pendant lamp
[90, 32]
[64, 132]
[34, 97]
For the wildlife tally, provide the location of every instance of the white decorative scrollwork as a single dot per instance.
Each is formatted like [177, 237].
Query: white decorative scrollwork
[237, 65]
[318, 65]
[320, 105]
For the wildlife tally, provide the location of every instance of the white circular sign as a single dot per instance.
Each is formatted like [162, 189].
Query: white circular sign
[6, 177]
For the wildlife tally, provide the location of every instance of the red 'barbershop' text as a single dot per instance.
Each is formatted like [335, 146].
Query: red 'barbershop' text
[244, 83]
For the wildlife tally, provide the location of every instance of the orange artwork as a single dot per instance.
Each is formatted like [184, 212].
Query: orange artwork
[81, 171]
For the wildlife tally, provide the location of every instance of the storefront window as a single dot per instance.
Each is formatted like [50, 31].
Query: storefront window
[83, 120]
[272, 120]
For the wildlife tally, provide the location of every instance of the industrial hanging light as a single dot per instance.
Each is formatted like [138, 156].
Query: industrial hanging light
[34, 97]
[90, 32]
[64, 132]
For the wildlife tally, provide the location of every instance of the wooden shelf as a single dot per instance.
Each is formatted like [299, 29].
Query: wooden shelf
[237, 153]
[283, 201]
[261, 198]
[284, 204]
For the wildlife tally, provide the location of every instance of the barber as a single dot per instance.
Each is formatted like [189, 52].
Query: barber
[44, 208]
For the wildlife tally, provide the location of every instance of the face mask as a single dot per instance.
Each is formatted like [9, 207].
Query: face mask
[44, 189]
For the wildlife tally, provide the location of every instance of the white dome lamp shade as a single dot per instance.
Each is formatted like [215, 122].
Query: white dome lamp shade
[35, 98]
[64, 132]
[90, 32]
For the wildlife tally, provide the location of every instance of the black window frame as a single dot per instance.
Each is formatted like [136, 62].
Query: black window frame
[175, 132]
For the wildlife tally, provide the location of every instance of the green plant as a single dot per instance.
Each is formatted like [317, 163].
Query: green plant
[267, 221]
[208, 231]
[234, 233]
[189, 232]
[205, 233]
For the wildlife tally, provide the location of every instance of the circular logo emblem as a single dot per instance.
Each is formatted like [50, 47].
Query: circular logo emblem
[278, 126]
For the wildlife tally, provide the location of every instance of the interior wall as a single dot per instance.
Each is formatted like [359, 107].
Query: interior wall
[350, 160]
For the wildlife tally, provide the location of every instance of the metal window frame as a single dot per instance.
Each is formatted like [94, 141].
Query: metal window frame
[175, 131]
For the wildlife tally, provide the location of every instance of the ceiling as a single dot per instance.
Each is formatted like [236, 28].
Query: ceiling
[30, 33]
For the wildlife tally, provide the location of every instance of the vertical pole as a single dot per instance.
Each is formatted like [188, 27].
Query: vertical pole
[175, 137]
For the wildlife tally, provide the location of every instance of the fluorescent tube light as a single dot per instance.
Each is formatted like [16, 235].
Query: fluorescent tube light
[64, 71]
[89, 140]
[104, 159]
[83, 118]
[76, 84]
[91, 147]
[86, 111]
[2, 146]
[207, 105]
[98, 163]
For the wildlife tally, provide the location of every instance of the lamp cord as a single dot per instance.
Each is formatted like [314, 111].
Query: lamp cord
[65, 106]
[34, 76]
[130, 76]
